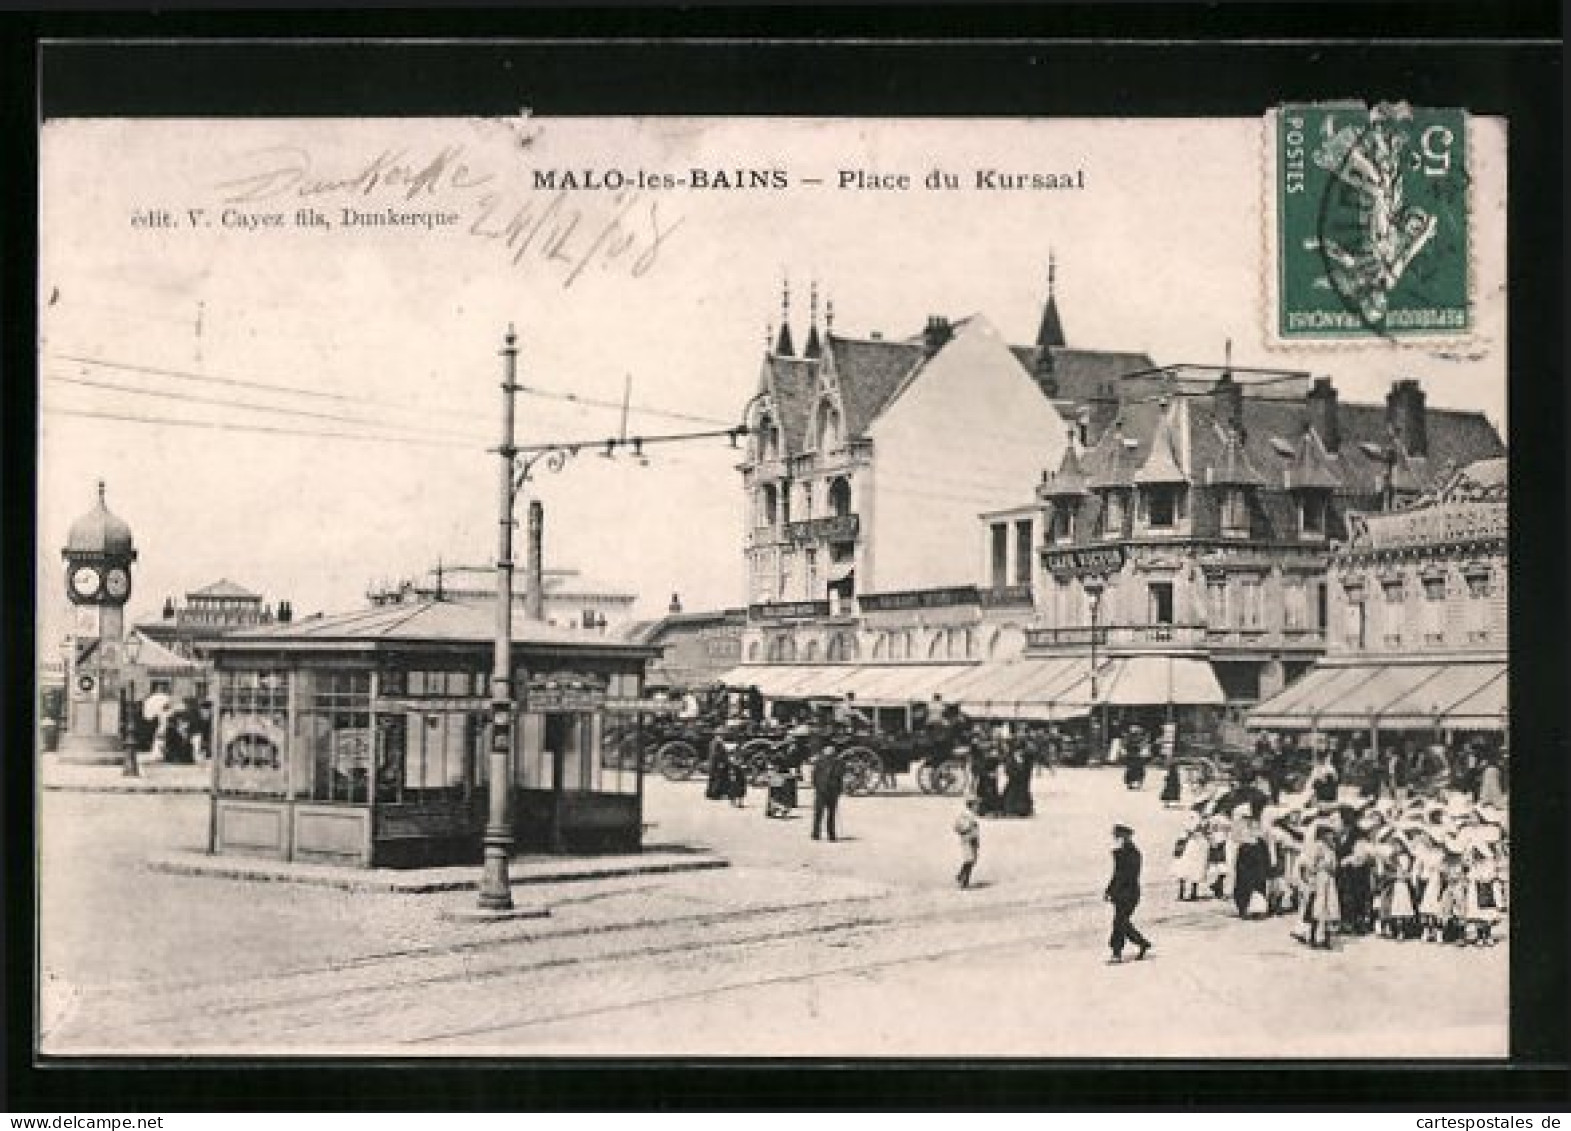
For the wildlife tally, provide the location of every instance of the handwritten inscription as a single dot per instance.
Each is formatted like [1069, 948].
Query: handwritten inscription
[557, 230]
[270, 173]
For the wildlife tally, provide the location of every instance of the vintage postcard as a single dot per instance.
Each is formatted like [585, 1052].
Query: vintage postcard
[727, 587]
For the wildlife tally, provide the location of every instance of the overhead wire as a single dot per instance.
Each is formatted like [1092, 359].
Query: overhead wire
[218, 425]
[373, 402]
[191, 398]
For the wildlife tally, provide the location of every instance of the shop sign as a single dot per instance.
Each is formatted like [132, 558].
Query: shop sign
[1086, 561]
[834, 528]
[564, 691]
[788, 610]
[919, 599]
[644, 706]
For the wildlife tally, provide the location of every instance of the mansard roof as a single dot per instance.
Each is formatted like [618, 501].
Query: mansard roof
[1273, 442]
[1084, 375]
[1233, 468]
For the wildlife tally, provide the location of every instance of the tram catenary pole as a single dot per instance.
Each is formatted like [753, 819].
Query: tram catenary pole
[496, 891]
[496, 888]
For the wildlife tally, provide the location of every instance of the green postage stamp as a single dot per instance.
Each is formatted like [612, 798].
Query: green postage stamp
[1371, 222]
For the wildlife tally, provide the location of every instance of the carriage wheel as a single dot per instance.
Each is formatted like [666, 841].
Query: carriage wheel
[863, 769]
[946, 778]
[756, 755]
[678, 760]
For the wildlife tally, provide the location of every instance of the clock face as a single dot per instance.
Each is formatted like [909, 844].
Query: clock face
[117, 583]
[85, 581]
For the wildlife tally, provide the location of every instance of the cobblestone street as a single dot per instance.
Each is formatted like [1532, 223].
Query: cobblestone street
[799, 948]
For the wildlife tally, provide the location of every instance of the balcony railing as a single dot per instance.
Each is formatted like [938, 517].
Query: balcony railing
[1078, 636]
[1116, 636]
[830, 528]
[1006, 596]
[1134, 636]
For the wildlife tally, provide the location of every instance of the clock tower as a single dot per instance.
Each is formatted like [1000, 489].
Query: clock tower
[98, 555]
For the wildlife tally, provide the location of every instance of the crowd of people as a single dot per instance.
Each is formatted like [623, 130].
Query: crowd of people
[1407, 865]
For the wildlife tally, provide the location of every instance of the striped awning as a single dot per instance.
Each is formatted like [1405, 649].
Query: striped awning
[1056, 688]
[874, 684]
[1465, 694]
[1144, 681]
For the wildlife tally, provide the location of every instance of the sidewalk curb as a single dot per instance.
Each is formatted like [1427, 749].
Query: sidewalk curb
[122, 788]
[388, 881]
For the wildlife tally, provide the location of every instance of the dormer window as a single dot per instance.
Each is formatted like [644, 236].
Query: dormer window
[1163, 502]
[768, 439]
[1062, 523]
[1312, 514]
[828, 427]
[1112, 514]
[1235, 513]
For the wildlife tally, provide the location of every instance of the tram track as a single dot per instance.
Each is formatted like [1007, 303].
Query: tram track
[448, 993]
[1046, 941]
[398, 973]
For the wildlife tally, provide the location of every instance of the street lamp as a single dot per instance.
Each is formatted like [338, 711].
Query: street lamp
[131, 649]
[1093, 587]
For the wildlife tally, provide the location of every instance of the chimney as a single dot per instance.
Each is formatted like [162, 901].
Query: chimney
[1405, 416]
[1228, 397]
[1321, 400]
[169, 608]
[286, 612]
[534, 595]
[937, 333]
[676, 604]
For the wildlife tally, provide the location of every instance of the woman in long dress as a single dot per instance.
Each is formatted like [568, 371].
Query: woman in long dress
[1189, 862]
[717, 787]
[1017, 783]
[1172, 785]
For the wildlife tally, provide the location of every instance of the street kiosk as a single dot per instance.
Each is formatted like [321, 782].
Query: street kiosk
[360, 739]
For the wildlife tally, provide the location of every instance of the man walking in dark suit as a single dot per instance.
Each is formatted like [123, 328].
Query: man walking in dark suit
[828, 780]
[1123, 892]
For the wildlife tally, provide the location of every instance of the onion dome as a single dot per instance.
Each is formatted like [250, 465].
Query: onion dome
[99, 533]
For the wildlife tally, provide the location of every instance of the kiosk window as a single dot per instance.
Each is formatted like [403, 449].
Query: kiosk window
[335, 734]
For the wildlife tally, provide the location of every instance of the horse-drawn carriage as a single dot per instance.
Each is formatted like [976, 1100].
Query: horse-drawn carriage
[678, 745]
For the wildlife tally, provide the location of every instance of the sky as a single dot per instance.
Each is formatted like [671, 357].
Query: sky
[176, 285]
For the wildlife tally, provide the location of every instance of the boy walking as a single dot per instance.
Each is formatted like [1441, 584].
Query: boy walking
[969, 830]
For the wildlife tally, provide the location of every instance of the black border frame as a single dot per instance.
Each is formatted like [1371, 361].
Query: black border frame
[1502, 59]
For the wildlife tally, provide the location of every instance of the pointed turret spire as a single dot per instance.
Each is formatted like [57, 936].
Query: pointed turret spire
[1070, 479]
[829, 316]
[784, 346]
[814, 347]
[1050, 334]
